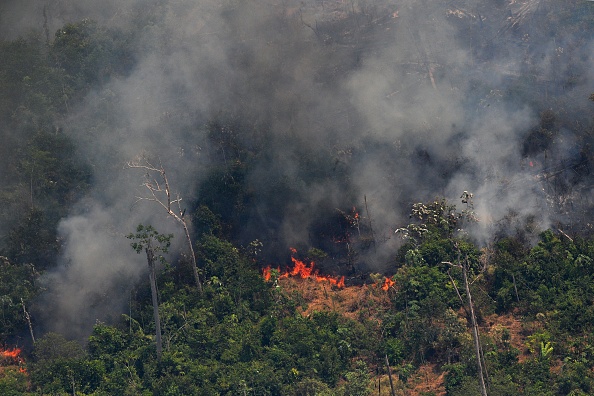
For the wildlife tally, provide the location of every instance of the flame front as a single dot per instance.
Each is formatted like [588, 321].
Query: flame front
[13, 357]
[388, 283]
[307, 271]
[11, 353]
[304, 271]
[338, 281]
[301, 269]
[266, 273]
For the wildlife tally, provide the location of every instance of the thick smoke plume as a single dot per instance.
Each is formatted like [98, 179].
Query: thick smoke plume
[387, 102]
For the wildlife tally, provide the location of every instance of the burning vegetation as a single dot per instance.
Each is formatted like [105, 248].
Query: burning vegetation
[304, 271]
[388, 283]
[275, 121]
[12, 357]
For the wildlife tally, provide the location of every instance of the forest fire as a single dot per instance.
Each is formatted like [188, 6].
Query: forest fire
[13, 357]
[304, 271]
[11, 353]
[388, 283]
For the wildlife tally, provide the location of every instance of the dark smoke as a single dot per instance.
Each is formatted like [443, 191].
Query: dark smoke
[388, 102]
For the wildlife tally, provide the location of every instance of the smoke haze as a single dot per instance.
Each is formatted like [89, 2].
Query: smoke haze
[393, 102]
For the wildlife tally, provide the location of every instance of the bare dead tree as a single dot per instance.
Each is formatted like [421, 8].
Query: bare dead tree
[28, 318]
[315, 29]
[475, 331]
[159, 191]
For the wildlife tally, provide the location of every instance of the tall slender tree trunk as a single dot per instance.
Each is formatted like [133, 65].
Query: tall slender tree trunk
[162, 195]
[390, 375]
[28, 317]
[515, 288]
[475, 332]
[150, 256]
[192, 256]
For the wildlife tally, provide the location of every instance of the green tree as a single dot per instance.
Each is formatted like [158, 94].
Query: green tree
[62, 366]
[13, 382]
[18, 288]
[358, 380]
[153, 243]
[89, 54]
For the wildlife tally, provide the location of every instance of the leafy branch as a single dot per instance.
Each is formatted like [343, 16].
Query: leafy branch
[438, 216]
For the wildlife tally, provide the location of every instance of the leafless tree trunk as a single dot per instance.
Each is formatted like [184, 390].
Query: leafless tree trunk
[28, 317]
[390, 375]
[379, 382]
[160, 192]
[475, 331]
[515, 288]
[370, 222]
[150, 256]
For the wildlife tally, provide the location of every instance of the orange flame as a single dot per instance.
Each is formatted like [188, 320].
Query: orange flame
[13, 356]
[304, 271]
[338, 281]
[266, 273]
[11, 353]
[388, 283]
[301, 269]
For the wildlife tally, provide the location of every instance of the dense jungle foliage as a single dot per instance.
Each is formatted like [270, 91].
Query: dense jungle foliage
[532, 290]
